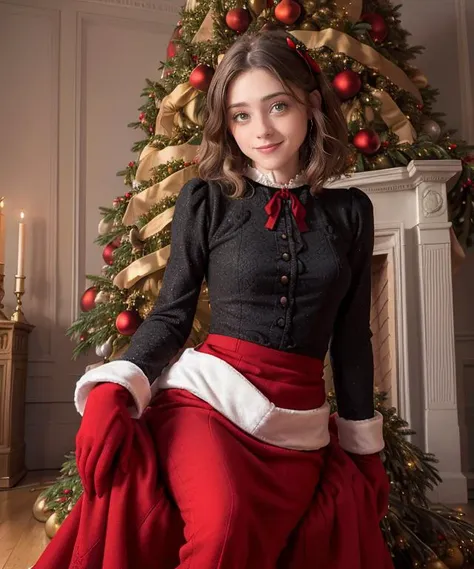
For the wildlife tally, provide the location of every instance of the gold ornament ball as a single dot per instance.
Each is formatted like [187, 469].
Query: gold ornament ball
[357, 67]
[382, 162]
[307, 25]
[454, 558]
[257, 6]
[310, 6]
[435, 564]
[40, 511]
[52, 526]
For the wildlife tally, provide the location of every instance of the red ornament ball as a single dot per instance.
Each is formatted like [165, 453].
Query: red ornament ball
[127, 322]
[238, 19]
[287, 11]
[347, 84]
[108, 254]
[367, 141]
[88, 299]
[201, 77]
[171, 50]
[379, 31]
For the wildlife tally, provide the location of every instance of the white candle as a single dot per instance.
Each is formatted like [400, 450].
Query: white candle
[2, 232]
[21, 247]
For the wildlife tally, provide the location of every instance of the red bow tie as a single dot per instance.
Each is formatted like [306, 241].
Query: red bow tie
[273, 209]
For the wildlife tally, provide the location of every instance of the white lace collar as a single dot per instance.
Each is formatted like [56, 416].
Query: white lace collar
[266, 180]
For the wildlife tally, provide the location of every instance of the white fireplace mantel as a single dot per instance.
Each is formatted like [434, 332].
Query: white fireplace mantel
[412, 227]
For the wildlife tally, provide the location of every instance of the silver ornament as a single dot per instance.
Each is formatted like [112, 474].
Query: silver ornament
[432, 130]
[108, 347]
[102, 297]
[98, 351]
[105, 226]
[105, 350]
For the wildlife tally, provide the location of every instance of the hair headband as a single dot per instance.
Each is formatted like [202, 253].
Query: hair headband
[301, 50]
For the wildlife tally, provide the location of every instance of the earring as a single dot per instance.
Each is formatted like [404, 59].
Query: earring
[311, 127]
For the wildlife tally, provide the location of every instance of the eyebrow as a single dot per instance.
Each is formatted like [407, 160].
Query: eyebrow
[266, 98]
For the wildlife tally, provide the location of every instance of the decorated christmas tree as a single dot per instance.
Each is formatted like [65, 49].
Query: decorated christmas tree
[388, 105]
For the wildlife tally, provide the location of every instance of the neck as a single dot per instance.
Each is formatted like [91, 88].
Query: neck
[283, 175]
[265, 178]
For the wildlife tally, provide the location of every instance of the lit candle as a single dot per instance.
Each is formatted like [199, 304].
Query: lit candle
[21, 246]
[2, 232]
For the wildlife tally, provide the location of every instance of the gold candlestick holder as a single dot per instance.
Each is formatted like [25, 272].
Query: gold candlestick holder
[2, 291]
[18, 315]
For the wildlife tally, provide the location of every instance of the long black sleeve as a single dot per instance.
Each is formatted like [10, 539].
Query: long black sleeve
[166, 329]
[351, 348]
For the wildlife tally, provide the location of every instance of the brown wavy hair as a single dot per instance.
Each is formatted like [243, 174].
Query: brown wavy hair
[324, 151]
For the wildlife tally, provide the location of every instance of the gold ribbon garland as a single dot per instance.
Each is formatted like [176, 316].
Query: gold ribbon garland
[205, 30]
[157, 224]
[140, 203]
[390, 113]
[420, 79]
[341, 42]
[152, 157]
[179, 105]
[142, 267]
[394, 118]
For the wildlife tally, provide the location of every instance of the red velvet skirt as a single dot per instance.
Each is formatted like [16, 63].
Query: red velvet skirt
[203, 494]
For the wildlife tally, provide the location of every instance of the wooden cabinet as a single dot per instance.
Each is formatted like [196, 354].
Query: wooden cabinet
[13, 373]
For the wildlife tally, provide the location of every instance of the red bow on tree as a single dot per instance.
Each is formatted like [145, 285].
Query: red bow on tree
[273, 209]
[302, 52]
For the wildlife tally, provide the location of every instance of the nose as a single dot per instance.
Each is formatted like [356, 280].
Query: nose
[263, 127]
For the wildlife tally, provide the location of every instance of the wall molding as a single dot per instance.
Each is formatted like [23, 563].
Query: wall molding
[52, 17]
[464, 336]
[83, 20]
[465, 83]
[164, 6]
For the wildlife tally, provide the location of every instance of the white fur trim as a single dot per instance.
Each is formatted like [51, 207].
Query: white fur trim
[229, 392]
[361, 437]
[124, 373]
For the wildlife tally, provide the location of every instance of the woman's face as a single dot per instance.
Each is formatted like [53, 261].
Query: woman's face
[268, 124]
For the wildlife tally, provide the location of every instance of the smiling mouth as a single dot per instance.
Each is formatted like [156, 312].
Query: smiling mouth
[268, 146]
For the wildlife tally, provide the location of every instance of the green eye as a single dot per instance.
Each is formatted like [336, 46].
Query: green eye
[280, 107]
[239, 117]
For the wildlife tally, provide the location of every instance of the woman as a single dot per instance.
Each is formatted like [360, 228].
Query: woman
[227, 459]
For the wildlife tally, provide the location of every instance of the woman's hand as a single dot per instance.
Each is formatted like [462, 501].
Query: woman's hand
[106, 428]
[372, 468]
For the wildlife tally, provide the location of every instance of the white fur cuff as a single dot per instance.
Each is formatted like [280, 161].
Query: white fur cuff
[123, 373]
[361, 437]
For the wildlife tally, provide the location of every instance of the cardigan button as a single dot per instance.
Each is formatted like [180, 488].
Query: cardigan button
[283, 300]
[281, 322]
[284, 236]
[284, 280]
[286, 256]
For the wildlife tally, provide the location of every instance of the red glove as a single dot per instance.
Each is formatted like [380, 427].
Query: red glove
[106, 427]
[372, 468]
